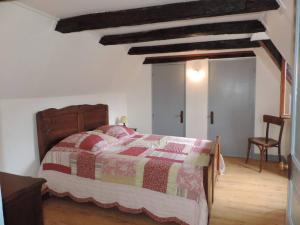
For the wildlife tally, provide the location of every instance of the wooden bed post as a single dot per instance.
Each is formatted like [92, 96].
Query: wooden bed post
[211, 173]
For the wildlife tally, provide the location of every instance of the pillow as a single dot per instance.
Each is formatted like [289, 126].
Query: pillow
[88, 141]
[110, 139]
[117, 131]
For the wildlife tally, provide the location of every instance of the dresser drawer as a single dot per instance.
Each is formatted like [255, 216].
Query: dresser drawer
[22, 202]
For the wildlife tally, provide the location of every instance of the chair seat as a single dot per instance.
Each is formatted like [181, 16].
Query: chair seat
[263, 141]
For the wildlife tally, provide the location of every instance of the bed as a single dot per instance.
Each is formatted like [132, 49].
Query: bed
[141, 190]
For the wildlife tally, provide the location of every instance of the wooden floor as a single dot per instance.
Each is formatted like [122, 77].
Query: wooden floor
[243, 197]
[246, 197]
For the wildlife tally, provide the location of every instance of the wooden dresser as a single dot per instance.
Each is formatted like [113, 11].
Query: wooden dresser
[22, 200]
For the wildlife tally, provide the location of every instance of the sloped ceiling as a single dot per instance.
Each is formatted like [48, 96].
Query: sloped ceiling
[69, 8]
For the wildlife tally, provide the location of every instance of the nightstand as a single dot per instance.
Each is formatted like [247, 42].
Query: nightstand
[22, 199]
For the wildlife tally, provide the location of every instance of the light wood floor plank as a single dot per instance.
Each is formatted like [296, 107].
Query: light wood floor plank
[243, 197]
[246, 197]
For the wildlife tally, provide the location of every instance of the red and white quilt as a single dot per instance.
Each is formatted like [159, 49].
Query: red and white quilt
[170, 165]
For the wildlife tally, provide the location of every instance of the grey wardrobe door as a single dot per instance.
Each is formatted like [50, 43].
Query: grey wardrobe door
[231, 103]
[168, 99]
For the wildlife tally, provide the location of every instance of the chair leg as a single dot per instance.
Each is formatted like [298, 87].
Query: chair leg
[279, 153]
[266, 154]
[261, 159]
[248, 153]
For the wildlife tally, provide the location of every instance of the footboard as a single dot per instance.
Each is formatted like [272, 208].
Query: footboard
[211, 173]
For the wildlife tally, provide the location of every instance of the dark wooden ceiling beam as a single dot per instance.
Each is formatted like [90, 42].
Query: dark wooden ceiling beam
[238, 27]
[188, 57]
[211, 45]
[276, 56]
[164, 13]
[273, 52]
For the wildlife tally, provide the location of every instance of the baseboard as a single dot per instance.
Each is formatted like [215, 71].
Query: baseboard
[272, 158]
[256, 156]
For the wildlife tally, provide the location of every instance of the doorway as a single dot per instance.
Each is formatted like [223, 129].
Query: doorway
[294, 159]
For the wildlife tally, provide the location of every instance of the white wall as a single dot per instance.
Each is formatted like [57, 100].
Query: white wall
[139, 98]
[19, 138]
[280, 28]
[268, 98]
[41, 68]
[68, 64]
[197, 98]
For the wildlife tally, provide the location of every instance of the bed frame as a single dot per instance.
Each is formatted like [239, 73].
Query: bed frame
[53, 125]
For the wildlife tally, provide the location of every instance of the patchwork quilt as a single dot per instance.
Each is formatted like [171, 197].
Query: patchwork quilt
[170, 165]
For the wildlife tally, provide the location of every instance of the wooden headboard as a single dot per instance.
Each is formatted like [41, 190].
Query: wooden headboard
[53, 125]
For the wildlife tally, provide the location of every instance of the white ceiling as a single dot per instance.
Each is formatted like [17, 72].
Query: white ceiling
[69, 8]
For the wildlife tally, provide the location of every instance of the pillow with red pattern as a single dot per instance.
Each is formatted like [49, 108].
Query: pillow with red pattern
[89, 141]
[117, 131]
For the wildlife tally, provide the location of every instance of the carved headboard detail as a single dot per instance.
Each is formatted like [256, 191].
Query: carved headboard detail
[53, 125]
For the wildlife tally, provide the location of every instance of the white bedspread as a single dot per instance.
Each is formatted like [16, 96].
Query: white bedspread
[131, 197]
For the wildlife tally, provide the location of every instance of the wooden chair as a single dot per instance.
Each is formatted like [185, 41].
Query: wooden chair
[263, 143]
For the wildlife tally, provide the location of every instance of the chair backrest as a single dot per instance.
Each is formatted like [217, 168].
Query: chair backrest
[276, 121]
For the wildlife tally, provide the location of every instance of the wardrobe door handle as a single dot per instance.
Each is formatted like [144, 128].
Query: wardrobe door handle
[181, 116]
[212, 117]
